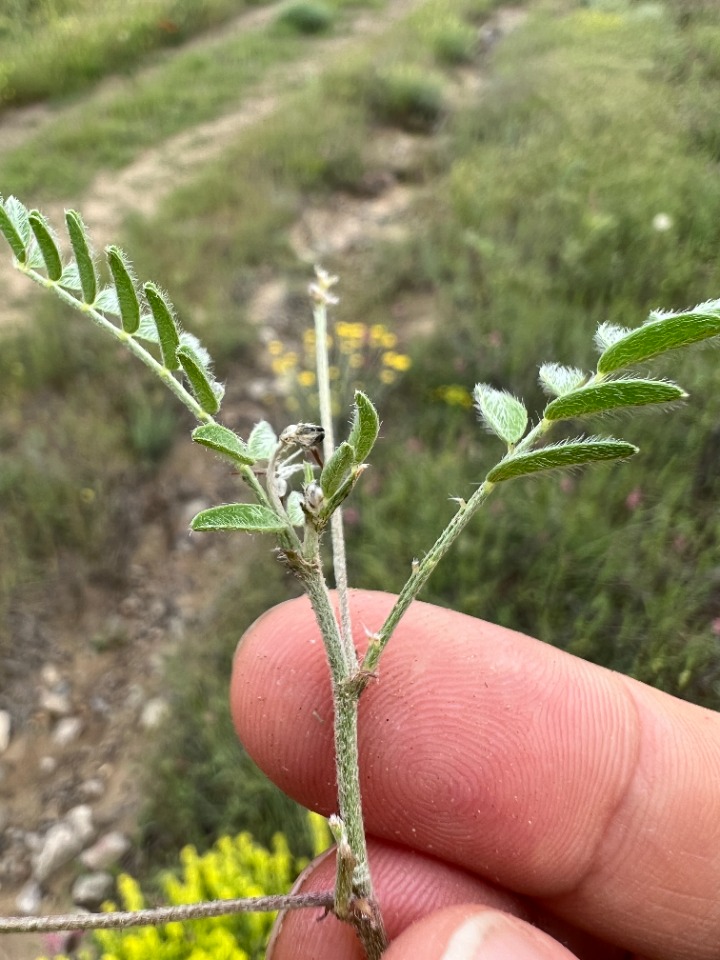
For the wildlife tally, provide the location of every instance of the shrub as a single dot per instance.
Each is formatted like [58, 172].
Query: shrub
[454, 43]
[306, 17]
[406, 96]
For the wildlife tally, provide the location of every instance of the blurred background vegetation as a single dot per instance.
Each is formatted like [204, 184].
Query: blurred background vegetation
[580, 183]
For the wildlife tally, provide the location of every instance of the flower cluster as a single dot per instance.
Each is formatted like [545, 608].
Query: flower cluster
[453, 395]
[234, 867]
[362, 355]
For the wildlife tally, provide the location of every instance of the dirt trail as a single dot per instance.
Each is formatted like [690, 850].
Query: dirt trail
[143, 184]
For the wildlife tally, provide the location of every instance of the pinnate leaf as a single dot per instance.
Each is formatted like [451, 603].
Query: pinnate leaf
[577, 453]
[502, 414]
[250, 517]
[612, 395]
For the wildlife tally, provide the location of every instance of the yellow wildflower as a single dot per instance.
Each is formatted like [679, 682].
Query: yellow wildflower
[306, 378]
[396, 361]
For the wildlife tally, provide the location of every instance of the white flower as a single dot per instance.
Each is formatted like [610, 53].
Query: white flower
[662, 222]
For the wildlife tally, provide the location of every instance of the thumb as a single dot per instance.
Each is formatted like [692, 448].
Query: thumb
[473, 932]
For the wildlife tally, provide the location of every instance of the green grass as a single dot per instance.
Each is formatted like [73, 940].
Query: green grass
[543, 224]
[544, 215]
[73, 439]
[60, 47]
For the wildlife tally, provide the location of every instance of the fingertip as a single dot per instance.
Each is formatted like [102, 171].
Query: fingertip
[471, 932]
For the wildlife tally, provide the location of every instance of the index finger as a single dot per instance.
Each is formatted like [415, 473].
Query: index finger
[547, 775]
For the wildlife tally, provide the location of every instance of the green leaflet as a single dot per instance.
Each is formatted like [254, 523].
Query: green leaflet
[83, 257]
[660, 334]
[558, 380]
[608, 334]
[47, 245]
[11, 234]
[612, 395]
[250, 517]
[262, 441]
[294, 509]
[168, 335]
[503, 414]
[223, 441]
[341, 494]
[365, 427]
[201, 382]
[336, 469]
[574, 454]
[127, 297]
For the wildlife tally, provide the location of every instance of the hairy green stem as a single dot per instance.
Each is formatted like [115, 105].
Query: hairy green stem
[422, 572]
[354, 883]
[337, 532]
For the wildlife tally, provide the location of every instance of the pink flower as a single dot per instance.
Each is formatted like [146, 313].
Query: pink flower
[634, 499]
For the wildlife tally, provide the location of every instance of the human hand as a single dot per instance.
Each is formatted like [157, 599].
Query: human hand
[520, 803]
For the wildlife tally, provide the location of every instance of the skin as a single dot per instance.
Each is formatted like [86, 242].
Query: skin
[520, 803]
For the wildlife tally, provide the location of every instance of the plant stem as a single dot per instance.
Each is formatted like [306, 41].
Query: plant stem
[347, 763]
[337, 533]
[422, 572]
[161, 915]
[354, 883]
